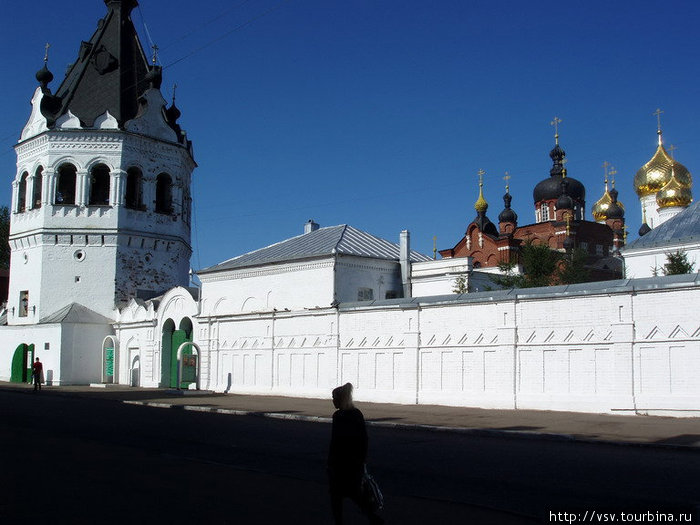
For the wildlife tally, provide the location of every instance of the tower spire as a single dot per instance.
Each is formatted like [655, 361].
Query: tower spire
[481, 205]
[658, 113]
[556, 123]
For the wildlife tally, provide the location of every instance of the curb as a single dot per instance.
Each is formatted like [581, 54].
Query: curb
[486, 432]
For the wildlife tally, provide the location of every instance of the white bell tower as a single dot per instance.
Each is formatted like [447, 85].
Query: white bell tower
[101, 199]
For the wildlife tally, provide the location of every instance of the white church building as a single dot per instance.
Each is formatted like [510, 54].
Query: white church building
[100, 239]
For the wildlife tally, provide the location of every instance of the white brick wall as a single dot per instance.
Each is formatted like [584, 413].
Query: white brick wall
[614, 351]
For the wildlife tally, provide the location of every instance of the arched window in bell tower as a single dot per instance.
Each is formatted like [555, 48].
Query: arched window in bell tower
[164, 194]
[36, 191]
[22, 193]
[99, 186]
[65, 186]
[134, 193]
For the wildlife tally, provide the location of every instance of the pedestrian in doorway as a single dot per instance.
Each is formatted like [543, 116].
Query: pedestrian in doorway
[37, 373]
[346, 457]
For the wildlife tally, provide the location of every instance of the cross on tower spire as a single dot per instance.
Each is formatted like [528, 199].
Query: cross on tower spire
[154, 59]
[507, 178]
[671, 149]
[556, 123]
[658, 113]
[46, 52]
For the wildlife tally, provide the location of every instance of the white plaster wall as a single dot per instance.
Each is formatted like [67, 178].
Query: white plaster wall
[290, 286]
[81, 357]
[353, 273]
[12, 336]
[641, 263]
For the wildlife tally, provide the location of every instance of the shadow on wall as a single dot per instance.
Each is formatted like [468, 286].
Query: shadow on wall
[228, 383]
[49, 377]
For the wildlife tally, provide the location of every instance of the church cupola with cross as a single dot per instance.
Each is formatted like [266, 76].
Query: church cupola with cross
[547, 192]
[101, 198]
[662, 184]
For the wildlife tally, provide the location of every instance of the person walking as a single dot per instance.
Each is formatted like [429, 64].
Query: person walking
[37, 372]
[346, 457]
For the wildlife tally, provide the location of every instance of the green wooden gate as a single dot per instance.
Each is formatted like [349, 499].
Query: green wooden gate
[22, 360]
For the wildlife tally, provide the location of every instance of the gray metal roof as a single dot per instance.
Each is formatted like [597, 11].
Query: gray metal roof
[342, 239]
[75, 313]
[545, 292]
[681, 229]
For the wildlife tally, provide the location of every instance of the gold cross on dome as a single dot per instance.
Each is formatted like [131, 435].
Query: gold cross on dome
[612, 174]
[556, 123]
[481, 174]
[507, 178]
[658, 118]
[671, 149]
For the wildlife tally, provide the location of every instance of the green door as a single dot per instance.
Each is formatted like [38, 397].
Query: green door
[109, 364]
[179, 337]
[21, 371]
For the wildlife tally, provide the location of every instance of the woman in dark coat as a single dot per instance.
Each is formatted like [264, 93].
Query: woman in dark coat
[347, 456]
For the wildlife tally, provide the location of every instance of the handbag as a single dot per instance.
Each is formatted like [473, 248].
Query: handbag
[370, 491]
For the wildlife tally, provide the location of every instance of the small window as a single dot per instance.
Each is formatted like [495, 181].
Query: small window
[164, 194]
[134, 191]
[65, 186]
[22, 193]
[391, 294]
[365, 294]
[599, 249]
[99, 186]
[23, 303]
[36, 193]
[583, 245]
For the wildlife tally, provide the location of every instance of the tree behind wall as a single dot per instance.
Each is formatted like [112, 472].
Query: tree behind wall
[677, 263]
[4, 237]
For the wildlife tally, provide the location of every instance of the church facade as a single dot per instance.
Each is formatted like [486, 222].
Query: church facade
[100, 240]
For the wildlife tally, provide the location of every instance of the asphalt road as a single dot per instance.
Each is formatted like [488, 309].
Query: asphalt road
[71, 460]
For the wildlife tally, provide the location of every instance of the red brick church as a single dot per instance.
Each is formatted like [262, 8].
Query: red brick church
[559, 202]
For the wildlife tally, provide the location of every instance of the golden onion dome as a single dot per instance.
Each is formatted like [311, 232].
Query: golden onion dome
[600, 208]
[481, 204]
[656, 173]
[674, 194]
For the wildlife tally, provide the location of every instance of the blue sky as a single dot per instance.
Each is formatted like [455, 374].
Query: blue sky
[379, 113]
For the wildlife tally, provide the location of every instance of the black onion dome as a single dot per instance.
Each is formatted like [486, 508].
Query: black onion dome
[44, 76]
[614, 211]
[485, 224]
[155, 77]
[507, 215]
[550, 189]
[564, 202]
[173, 113]
[557, 154]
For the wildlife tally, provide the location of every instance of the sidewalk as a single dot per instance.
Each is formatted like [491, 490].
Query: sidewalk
[532, 424]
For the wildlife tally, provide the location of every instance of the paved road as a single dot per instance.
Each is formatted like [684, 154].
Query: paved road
[72, 460]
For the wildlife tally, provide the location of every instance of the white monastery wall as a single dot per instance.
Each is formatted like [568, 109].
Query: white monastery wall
[632, 350]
